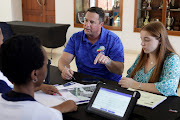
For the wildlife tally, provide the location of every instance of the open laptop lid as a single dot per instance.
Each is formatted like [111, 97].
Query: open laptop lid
[112, 102]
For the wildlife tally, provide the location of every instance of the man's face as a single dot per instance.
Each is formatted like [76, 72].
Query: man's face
[92, 27]
[1, 38]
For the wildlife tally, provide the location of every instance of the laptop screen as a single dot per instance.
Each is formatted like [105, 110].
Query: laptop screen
[112, 102]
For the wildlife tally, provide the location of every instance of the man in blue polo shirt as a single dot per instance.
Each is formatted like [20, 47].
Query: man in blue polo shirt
[98, 51]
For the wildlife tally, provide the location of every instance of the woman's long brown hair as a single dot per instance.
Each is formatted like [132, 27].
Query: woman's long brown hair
[157, 30]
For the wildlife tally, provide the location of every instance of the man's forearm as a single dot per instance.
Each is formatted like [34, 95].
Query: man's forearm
[65, 60]
[116, 67]
[60, 65]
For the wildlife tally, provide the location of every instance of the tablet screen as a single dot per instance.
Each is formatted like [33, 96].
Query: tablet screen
[112, 102]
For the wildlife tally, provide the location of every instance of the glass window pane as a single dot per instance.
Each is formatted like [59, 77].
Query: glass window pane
[111, 8]
[112, 12]
[173, 15]
[92, 3]
[148, 11]
[81, 8]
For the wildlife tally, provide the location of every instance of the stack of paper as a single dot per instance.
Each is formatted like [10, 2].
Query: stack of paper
[149, 99]
[79, 93]
[48, 100]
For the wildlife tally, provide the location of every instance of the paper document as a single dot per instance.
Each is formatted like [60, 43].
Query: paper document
[149, 99]
[79, 93]
[48, 100]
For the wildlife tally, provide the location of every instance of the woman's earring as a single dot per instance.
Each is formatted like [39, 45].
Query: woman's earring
[34, 81]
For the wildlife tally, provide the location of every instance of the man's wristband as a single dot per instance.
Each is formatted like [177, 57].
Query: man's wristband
[108, 61]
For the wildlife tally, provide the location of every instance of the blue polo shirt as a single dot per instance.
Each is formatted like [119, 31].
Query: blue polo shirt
[85, 53]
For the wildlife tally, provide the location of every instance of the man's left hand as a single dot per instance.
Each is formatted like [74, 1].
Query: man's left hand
[102, 59]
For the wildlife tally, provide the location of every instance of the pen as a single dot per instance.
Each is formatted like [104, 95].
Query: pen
[82, 102]
[174, 111]
[68, 70]
[64, 98]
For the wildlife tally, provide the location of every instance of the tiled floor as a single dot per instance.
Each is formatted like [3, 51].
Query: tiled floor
[130, 57]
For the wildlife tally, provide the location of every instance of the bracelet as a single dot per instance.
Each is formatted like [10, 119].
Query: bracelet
[108, 61]
[140, 85]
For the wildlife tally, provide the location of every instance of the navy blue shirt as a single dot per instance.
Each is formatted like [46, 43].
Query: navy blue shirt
[4, 87]
[16, 96]
[6, 30]
[85, 53]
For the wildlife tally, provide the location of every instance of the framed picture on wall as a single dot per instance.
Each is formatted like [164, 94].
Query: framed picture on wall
[116, 19]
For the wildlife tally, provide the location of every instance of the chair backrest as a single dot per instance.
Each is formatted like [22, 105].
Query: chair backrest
[52, 35]
[47, 80]
[6, 30]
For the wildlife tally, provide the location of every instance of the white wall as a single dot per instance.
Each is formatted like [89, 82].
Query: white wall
[5, 10]
[10, 10]
[16, 10]
[65, 14]
[130, 39]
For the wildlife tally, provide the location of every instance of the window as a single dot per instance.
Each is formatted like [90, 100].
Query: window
[112, 9]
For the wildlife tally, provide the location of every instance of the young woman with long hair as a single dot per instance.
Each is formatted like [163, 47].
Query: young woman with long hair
[157, 68]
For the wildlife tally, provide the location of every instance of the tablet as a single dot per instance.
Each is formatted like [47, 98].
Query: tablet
[112, 102]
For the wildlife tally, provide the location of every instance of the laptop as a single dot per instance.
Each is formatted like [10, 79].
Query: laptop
[112, 102]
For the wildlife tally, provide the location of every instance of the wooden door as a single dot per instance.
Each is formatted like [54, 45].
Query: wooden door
[39, 10]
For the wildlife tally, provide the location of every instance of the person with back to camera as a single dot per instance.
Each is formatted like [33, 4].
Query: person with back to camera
[98, 51]
[157, 68]
[5, 85]
[24, 63]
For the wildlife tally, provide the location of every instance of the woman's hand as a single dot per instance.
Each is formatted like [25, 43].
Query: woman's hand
[67, 106]
[128, 83]
[49, 89]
